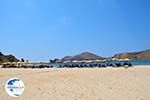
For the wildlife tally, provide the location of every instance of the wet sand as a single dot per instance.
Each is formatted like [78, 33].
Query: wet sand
[80, 84]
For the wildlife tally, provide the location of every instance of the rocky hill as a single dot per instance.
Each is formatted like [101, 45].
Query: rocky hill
[7, 58]
[82, 56]
[142, 55]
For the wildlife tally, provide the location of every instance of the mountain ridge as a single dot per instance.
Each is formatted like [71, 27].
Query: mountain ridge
[141, 55]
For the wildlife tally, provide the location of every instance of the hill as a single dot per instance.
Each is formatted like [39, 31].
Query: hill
[83, 56]
[142, 55]
[7, 58]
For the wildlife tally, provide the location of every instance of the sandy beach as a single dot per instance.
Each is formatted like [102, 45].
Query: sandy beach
[80, 84]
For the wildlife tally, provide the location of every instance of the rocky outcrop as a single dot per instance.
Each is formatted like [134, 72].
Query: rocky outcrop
[7, 58]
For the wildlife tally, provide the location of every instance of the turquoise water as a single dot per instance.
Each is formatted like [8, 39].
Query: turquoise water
[140, 62]
[136, 62]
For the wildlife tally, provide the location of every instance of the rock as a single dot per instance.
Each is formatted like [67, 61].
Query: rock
[7, 58]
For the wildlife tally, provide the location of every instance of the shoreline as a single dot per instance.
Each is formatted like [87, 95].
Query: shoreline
[134, 66]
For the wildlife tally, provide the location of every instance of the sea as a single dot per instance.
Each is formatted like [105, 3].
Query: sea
[137, 62]
[140, 62]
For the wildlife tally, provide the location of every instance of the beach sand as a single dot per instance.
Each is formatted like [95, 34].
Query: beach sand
[80, 84]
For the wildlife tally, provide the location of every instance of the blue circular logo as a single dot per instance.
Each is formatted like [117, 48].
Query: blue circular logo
[14, 87]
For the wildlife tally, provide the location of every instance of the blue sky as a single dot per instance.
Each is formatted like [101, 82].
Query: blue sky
[47, 29]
